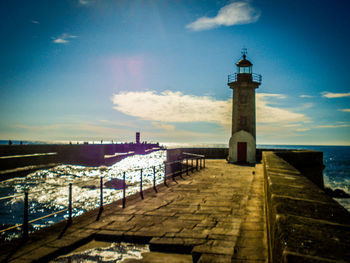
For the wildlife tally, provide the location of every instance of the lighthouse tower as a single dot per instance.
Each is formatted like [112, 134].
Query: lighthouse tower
[242, 145]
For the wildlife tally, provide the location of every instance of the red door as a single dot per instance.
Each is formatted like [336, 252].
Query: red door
[242, 152]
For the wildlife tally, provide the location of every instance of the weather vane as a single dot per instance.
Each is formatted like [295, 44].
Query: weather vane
[244, 52]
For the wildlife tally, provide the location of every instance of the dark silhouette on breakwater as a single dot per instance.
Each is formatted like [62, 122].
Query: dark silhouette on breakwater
[19, 160]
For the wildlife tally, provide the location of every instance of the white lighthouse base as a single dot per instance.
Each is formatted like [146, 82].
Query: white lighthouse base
[242, 148]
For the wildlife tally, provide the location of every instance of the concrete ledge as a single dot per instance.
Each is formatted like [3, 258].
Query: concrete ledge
[210, 153]
[309, 163]
[15, 161]
[304, 224]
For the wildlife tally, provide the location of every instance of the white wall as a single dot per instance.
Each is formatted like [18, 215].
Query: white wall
[242, 136]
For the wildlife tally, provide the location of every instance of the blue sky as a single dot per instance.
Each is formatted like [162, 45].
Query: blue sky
[92, 70]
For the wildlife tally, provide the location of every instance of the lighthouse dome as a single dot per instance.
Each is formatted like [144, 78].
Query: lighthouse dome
[244, 65]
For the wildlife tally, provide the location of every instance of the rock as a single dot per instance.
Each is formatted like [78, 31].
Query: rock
[115, 184]
[337, 193]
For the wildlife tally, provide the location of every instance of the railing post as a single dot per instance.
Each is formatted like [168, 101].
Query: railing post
[172, 171]
[101, 193]
[70, 204]
[141, 193]
[204, 162]
[186, 165]
[165, 174]
[154, 179]
[192, 164]
[196, 164]
[25, 216]
[124, 187]
[200, 163]
[180, 168]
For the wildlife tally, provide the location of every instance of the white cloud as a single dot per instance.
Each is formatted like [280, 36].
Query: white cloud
[63, 39]
[302, 129]
[71, 130]
[172, 107]
[86, 2]
[265, 113]
[305, 96]
[163, 126]
[176, 107]
[345, 110]
[331, 95]
[292, 125]
[34, 22]
[60, 41]
[236, 13]
[333, 126]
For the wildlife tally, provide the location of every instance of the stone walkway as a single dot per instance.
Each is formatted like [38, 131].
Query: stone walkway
[251, 245]
[205, 217]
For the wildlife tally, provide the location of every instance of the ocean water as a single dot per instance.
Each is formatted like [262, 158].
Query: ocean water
[49, 188]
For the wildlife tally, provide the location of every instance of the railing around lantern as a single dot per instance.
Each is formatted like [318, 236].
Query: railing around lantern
[171, 170]
[234, 77]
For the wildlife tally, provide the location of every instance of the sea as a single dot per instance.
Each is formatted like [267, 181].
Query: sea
[49, 188]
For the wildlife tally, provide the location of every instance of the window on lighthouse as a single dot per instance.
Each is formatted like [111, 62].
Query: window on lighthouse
[245, 70]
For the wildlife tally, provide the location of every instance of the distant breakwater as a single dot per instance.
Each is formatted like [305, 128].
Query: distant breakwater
[19, 160]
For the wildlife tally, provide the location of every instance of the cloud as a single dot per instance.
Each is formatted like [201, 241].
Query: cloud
[63, 39]
[265, 113]
[34, 22]
[172, 107]
[163, 126]
[302, 129]
[86, 2]
[331, 95]
[333, 126]
[236, 13]
[305, 96]
[70, 130]
[293, 125]
[345, 110]
[119, 123]
[176, 107]
[60, 41]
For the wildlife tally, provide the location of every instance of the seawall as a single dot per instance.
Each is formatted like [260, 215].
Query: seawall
[303, 223]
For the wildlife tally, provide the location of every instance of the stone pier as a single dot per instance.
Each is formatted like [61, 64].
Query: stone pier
[215, 215]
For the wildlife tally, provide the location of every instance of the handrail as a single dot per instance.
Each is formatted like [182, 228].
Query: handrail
[234, 77]
[34, 220]
[188, 167]
[10, 196]
[194, 154]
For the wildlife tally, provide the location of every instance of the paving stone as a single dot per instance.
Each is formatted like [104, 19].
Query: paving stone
[209, 248]
[214, 258]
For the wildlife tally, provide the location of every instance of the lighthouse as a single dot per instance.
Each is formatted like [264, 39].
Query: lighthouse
[242, 145]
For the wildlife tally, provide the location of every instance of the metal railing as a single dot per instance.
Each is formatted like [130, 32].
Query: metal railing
[234, 77]
[176, 168]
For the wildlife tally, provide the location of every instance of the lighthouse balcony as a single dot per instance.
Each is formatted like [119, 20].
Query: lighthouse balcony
[244, 77]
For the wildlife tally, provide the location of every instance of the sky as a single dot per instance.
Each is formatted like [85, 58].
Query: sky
[76, 70]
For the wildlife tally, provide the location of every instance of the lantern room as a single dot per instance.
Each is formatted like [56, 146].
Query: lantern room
[244, 66]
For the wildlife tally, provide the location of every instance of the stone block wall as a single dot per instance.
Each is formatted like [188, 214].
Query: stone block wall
[304, 224]
[210, 153]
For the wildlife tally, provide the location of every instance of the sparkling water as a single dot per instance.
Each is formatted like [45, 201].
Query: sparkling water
[48, 189]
